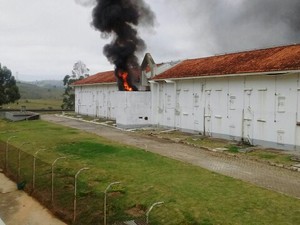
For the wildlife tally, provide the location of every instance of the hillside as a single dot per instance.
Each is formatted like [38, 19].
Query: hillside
[47, 83]
[41, 90]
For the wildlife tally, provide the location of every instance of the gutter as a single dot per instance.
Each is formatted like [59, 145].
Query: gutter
[272, 73]
[93, 84]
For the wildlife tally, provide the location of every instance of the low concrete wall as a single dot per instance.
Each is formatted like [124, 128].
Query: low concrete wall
[134, 109]
[18, 116]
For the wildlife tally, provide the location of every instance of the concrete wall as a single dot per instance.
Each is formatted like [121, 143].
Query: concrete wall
[96, 101]
[258, 109]
[134, 109]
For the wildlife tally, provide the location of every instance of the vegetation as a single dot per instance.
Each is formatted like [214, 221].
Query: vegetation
[79, 72]
[42, 95]
[9, 91]
[192, 195]
[33, 104]
[30, 91]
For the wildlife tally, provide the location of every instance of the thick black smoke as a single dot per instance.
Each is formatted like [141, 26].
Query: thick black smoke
[120, 19]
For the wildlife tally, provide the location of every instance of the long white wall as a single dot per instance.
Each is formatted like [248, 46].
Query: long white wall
[262, 110]
[259, 109]
[97, 101]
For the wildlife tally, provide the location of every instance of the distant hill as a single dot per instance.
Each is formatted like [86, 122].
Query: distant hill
[41, 89]
[47, 83]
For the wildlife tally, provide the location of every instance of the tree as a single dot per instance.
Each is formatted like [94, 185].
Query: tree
[9, 91]
[79, 72]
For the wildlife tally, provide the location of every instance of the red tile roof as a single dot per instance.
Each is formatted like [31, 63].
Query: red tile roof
[265, 60]
[99, 78]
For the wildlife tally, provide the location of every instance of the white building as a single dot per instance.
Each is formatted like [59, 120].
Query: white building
[252, 96]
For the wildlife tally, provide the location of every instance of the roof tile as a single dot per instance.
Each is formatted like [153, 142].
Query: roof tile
[265, 60]
[103, 77]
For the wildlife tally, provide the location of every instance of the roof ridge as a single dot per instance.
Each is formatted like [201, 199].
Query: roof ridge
[260, 60]
[244, 51]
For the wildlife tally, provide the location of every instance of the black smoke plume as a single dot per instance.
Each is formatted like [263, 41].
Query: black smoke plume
[120, 19]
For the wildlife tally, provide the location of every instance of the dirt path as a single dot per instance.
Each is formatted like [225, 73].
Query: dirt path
[260, 174]
[17, 207]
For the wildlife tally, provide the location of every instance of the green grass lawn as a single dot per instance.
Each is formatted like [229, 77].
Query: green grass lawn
[192, 195]
[35, 104]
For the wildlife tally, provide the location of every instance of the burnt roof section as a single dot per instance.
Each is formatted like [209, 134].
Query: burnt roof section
[284, 58]
[99, 78]
[108, 77]
[105, 78]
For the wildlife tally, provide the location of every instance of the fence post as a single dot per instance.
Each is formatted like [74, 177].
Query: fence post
[6, 153]
[19, 160]
[147, 213]
[52, 177]
[33, 167]
[75, 191]
[105, 192]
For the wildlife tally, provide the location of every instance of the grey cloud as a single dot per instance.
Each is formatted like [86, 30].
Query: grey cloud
[243, 24]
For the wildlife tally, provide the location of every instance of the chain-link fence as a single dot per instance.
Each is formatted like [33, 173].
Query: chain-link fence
[54, 187]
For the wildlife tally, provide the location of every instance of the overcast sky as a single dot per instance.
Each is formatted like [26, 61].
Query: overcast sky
[42, 39]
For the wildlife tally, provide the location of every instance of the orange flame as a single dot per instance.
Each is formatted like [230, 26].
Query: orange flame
[124, 76]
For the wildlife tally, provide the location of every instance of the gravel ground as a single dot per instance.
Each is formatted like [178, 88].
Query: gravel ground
[258, 173]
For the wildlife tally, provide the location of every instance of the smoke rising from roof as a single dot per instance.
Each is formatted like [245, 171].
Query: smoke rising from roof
[120, 19]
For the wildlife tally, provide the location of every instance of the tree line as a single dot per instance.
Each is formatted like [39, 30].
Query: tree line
[9, 91]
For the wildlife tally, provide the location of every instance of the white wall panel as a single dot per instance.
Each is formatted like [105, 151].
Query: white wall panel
[186, 104]
[235, 106]
[198, 106]
[134, 109]
[285, 108]
[169, 104]
[219, 105]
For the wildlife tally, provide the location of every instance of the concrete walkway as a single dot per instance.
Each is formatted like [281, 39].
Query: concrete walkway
[18, 208]
[1, 222]
[263, 175]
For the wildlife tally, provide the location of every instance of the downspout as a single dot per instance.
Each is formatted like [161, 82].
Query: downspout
[204, 132]
[243, 124]
[243, 113]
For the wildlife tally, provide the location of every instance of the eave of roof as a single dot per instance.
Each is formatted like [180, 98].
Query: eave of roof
[102, 78]
[284, 58]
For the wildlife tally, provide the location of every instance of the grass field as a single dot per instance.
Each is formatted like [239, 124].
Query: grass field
[35, 104]
[192, 195]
